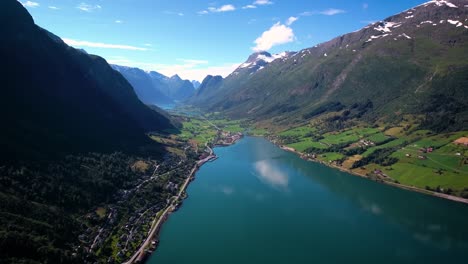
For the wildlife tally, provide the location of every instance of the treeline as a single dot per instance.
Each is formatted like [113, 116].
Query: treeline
[379, 156]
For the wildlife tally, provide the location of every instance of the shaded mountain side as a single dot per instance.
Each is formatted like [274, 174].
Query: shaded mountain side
[401, 65]
[73, 130]
[207, 88]
[56, 99]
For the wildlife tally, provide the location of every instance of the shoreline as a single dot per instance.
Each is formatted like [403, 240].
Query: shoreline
[147, 248]
[401, 186]
[151, 243]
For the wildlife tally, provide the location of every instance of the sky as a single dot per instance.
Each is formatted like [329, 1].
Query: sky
[194, 38]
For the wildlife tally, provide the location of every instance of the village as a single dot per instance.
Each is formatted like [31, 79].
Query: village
[129, 227]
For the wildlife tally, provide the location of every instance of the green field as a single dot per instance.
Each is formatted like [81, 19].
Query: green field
[303, 145]
[445, 167]
[330, 156]
[298, 132]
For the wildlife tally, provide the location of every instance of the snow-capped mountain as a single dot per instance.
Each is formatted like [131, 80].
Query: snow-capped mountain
[259, 60]
[402, 64]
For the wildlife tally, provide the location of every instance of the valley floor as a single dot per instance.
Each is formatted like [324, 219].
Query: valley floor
[406, 157]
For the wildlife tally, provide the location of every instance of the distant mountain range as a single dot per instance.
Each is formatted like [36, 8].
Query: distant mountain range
[155, 88]
[196, 84]
[415, 62]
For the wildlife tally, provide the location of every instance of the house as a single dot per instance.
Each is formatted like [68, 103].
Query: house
[408, 155]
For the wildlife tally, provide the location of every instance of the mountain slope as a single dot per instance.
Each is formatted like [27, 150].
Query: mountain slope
[155, 88]
[143, 85]
[72, 130]
[208, 87]
[415, 62]
[196, 84]
[56, 99]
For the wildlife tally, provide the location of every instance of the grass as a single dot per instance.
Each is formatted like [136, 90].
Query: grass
[390, 144]
[303, 145]
[378, 138]
[349, 136]
[199, 130]
[229, 125]
[445, 166]
[415, 175]
[258, 132]
[330, 156]
[297, 132]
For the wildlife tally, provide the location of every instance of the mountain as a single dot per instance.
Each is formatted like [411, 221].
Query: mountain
[208, 87]
[178, 89]
[259, 60]
[72, 127]
[215, 88]
[57, 99]
[155, 88]
[143, 84]
[196, 84]
[415, 62]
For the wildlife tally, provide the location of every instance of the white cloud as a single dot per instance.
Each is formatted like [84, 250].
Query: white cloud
[224, 8]
[249, 7]
[332, 11]
[148, 45]
[30, 4]
[118, 21]
[327, 12]
[87, 7]
[263, 2]
[79, 43]
[54, 8]
[174, 13]
[278, 34]
[187, 68]
[291, 20]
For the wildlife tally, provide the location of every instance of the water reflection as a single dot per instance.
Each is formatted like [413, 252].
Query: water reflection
[227, 190]
[271, 174]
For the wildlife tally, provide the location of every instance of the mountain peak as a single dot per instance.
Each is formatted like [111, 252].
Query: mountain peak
[176, 77]
[259, 60]
[258, 56]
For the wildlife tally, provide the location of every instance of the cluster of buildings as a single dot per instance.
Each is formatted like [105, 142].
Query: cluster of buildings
[228, 138]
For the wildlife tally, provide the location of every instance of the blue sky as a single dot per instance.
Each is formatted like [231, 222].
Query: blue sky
[196, 38]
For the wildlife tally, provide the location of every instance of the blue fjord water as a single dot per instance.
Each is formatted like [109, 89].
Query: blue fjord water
[260, 204]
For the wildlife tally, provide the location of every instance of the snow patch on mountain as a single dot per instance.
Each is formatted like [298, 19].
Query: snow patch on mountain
[385, 27]
[263, 58]
[377, 37]
[455, 22]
